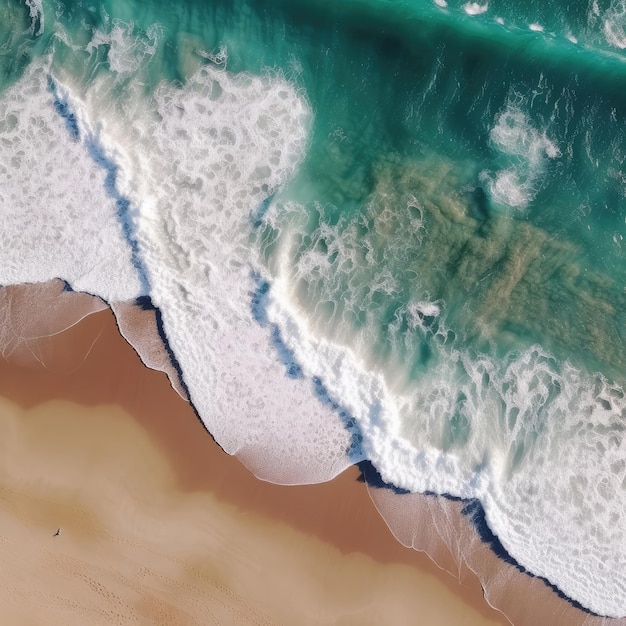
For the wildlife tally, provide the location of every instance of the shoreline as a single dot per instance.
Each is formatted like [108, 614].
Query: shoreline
[327, 532]
[81, 361]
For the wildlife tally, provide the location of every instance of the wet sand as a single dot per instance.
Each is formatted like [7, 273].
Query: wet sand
[30, 314]
[159, 526]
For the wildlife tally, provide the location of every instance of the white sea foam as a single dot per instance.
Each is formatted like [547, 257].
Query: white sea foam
[420, 310]
[126, 51]
[538, 28]
[507, 188]
[514, 134]
[441, 3]
[474, 8]
[614, 24]
[58, 219]
[526, 150]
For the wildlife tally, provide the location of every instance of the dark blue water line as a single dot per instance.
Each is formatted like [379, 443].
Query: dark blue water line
[259, 212]
[123, 207]
[122, 204]
[475, 512]
[355, 449]
[145, 303]
[67, 287]
[371, 476]
[259, 300]
[258, 305]
[259, 313]
[62, 107]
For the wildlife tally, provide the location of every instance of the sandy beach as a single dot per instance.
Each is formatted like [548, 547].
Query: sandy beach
[159, 526]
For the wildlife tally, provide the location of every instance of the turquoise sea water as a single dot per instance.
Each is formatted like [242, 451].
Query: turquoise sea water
[435, 196]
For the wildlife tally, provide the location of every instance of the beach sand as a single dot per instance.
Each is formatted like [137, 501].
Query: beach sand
[159, 526]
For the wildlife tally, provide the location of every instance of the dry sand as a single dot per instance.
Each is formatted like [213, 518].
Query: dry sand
[159, 526]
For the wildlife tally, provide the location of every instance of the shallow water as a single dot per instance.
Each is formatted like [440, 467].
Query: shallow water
[374, 231]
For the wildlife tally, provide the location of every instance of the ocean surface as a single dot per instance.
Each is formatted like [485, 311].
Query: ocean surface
[374, 230]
